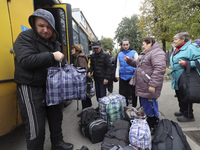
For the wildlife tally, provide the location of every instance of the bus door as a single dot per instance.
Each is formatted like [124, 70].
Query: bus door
[63, 19]
[14, 19]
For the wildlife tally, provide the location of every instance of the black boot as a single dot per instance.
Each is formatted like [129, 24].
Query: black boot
[153, 123]
[61, 145]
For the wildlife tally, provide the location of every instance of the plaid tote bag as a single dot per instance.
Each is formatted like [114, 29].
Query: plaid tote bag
[65, 83]
[139, 134]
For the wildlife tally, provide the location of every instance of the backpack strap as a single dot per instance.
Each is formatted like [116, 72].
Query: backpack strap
[167, 131]
[182, 136]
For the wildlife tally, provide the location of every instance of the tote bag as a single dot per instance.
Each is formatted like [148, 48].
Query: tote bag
[65, 83]
[189, 84]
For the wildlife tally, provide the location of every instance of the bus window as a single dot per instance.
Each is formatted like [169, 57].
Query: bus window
[75, 33]
[84, 41]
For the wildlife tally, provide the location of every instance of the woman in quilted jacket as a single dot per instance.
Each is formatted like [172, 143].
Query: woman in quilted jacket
[81, 60]
[150, 70]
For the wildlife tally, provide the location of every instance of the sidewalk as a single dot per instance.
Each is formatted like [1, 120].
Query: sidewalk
[167, 106]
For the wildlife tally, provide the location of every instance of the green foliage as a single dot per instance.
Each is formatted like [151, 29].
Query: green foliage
[107, 43]
[128, 29]
[164, 18]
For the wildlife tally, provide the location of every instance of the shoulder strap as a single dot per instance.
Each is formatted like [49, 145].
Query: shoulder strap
[188, 68]
[197, 65]
[182, 136]
[167, 130]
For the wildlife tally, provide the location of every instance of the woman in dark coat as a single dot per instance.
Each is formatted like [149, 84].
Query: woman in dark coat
[81, 60]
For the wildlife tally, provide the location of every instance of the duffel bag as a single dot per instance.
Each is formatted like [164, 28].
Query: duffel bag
[189, 84]
[116, 135]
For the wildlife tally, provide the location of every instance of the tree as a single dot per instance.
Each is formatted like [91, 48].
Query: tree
[163, 19]
[107, 43]
[128, 29]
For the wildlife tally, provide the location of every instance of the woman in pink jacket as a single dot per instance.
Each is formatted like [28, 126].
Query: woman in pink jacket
[150, 69]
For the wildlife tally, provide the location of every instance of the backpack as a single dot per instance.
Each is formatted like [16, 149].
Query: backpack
[117, 135]
[139, 134]
[169, 136]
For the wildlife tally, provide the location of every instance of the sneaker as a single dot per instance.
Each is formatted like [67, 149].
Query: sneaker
[61, 145]
[185, 119]
[178, 114]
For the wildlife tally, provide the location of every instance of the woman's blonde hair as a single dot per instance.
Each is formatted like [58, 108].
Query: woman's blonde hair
[78, 48]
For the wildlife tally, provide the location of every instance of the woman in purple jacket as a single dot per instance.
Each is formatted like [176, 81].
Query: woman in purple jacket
[150, 69]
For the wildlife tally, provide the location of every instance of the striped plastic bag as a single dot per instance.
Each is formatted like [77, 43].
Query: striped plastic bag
[114, 111]
[139, 134]
[64, 84]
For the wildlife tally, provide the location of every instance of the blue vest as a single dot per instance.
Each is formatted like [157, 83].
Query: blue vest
[126, 71]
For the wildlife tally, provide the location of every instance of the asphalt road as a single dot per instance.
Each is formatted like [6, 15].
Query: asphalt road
[167, 106]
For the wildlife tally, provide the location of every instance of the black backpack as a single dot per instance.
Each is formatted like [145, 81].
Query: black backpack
[169, 136]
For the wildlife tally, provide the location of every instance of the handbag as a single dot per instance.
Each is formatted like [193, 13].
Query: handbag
[132, 81]
[90, 91]
[189, 84]
[65, 83]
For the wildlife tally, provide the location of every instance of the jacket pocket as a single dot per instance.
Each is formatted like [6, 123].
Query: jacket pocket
[145, 77]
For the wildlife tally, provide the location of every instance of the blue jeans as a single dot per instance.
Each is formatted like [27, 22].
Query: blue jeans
[100, 89]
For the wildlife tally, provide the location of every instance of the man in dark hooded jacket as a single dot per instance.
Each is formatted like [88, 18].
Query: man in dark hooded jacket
[37, 49]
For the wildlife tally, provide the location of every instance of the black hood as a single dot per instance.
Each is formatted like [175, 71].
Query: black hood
[46, 15]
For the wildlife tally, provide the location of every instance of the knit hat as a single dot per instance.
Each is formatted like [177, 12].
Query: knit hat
[197, 41]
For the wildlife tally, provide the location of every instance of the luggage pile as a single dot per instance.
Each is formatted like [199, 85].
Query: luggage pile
[119, 127]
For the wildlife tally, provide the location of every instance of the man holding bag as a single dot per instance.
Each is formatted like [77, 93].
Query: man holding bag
[37, 49]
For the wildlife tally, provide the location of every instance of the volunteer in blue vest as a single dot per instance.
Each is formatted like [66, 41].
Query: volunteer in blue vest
[124, 72]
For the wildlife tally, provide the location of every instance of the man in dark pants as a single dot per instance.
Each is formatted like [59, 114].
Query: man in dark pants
[37, 49]
[101, 67]
[124, 72]
[110, 81]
